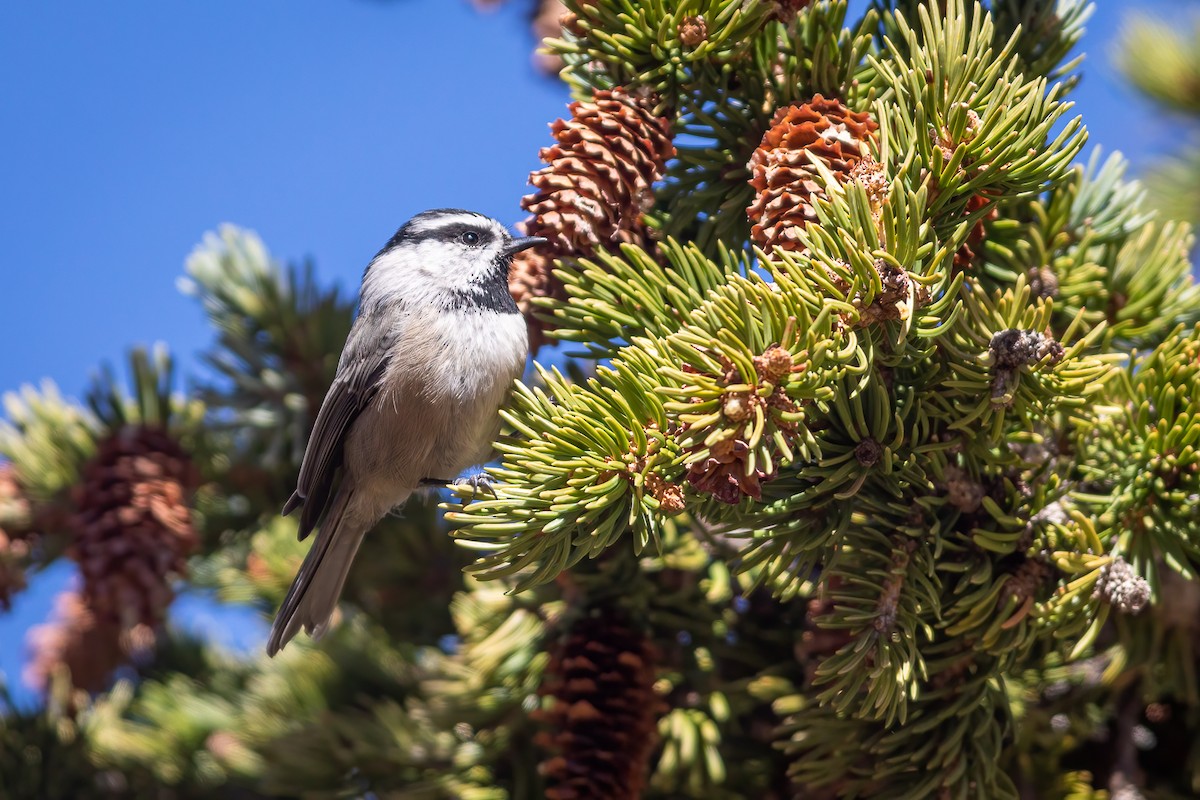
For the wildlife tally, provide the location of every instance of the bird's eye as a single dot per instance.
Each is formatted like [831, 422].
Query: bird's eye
[470, 238]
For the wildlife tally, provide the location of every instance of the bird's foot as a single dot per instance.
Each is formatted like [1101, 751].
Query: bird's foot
[480, 482]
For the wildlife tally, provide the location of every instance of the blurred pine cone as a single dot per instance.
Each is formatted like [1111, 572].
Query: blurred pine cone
[13, 555]
[602, 720]
[597, 184]
[786, 10]
[965, 256]
[133, 528]
[548, 24]
[89, 648]
[817, 643]
[546, 21]
[784, 177]
[14, 540]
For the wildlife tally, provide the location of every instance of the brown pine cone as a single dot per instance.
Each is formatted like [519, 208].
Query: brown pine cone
[530, 276]
[817, 643]
[602, 720]
[15, 541]
[548, 24]
[965, 256]
[786, 10]
[13, 555]
[87, 647]
[597, 183]
[785, 179]
[133, 528]
[598, 178]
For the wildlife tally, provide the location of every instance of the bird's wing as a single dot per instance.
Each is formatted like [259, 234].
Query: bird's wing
[363, 363]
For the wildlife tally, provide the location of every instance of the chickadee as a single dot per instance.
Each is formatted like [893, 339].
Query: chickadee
[436, 345]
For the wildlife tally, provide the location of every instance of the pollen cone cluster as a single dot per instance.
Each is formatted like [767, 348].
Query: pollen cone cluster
[597, 183]
[724, 470]
[133, 528]
[602, 719]
[782, 172]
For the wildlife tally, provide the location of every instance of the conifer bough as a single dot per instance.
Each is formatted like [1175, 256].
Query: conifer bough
[890, 404]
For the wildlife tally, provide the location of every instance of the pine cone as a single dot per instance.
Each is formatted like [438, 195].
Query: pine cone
[785, 179]
[786, 10]
[13, 556]
[817, 643]
[591, 195]
[600, 174]
[965, 256]
[133, 529]
[532, 276]
[1123, 588]
[89, 648]
[1043, 282]
[548, 24]
[602, 721]
[14, 543]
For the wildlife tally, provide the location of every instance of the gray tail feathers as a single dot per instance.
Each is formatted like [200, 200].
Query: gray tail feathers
[314, 594]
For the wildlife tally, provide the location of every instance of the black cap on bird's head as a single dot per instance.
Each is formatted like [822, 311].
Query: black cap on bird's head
[469, 228]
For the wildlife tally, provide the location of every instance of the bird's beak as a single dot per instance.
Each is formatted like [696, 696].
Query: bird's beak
[524, 243]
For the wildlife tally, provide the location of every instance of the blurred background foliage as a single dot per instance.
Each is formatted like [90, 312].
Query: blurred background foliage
[1160, 55]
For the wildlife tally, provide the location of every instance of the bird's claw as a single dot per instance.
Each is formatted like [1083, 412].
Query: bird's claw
[482, 481]
[479, 483]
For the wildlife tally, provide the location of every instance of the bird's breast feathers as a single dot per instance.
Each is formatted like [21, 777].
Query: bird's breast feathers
[463, 358]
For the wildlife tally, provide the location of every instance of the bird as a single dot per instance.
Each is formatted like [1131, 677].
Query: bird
[433, 352]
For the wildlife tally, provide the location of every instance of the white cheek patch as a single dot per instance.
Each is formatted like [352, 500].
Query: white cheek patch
[417, 274]
[423, 272]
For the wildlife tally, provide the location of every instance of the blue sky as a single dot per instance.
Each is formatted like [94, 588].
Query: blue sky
[128, 130]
